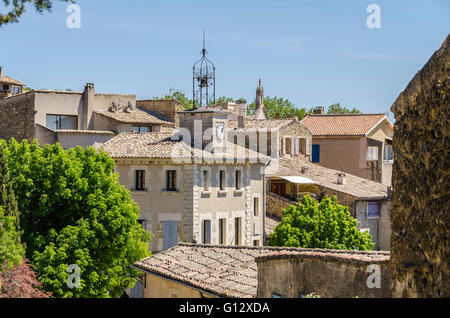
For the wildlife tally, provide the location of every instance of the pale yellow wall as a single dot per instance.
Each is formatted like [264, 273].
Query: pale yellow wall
[71, 140]
[157, 205]
[344, 154]
[58, 104]
[157, 287]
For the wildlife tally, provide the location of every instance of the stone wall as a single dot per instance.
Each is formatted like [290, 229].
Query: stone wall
[17, 117]
[420, 217]
[328, 273]
[275, 204]
[165, 108]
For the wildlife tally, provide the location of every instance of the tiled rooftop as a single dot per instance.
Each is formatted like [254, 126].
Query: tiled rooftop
[341, 125]
[8, 80]
[138, 116]
[355, 186]
[231, 271]
[161, 146]
[266, 124]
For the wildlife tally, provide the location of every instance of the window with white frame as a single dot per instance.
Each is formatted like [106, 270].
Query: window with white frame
[372, 153]
[388, 153]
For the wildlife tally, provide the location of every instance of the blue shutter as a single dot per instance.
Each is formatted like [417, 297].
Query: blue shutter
[315, 153]
[373, 209]
[170, 234]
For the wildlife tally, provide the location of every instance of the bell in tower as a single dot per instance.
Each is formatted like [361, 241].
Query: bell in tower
[203, 81]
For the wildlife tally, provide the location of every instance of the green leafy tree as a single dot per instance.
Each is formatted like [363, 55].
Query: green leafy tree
[279, 106]
[15, 9]
[74, 211]
[326, 225]
[338, 109]
[11, 249]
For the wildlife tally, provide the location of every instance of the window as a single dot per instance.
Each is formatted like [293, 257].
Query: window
[139, 180]
[222, 180]
[373, 210]
[56, 122]
[255, 228]
[171, 182]
[143, 223]
[238, 179]
[256, 206]
[206, 235]
[288, 145]
[276, 296]
[237, 231]
[5, 87]
[388, 153]
[372, 153]
[141, 129]
[222, 231]
[205, 180]
[256, 243]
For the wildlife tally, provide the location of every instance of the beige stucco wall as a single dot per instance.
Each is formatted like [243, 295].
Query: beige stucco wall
[71, 140]
[190, 204]
[158, 287]
[292, 277]
[58, 104]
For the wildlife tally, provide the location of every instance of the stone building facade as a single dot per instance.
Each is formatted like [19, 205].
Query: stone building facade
[188, 192]
[73, 118]
[420, 216]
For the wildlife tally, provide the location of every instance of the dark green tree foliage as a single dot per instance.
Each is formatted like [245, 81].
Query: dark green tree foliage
[15, 9]
[11, 249]
[74, 211]
[279, 106]
[326, 225]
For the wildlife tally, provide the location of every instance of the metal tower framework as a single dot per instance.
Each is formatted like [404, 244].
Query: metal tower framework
[203, 80]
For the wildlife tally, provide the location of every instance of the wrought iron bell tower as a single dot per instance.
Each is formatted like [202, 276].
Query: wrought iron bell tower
[203, 80]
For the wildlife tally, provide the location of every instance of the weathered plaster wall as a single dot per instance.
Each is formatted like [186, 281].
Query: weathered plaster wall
[420, 215]
[158, 287]
[295, 276]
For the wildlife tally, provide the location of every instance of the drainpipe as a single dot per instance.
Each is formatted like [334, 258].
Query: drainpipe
[264, 203]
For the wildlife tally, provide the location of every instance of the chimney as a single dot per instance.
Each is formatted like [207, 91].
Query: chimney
[341, 178]
[319, 110]
[241, 121]
[1, 71]
[259, 96]
[88, 104]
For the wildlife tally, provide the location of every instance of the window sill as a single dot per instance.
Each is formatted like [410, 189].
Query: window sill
[170, 192]
[206, 192]
[240, 191]
[222, 192]
[134, 191]
[373, 217]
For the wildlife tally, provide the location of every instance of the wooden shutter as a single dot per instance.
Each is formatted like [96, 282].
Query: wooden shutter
[207, 231]
[170, 234]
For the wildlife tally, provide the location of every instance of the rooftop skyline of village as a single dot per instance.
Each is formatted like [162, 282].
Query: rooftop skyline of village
[311, 54]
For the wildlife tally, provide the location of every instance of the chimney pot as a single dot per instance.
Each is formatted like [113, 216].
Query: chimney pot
[320, 110]
[341, 178]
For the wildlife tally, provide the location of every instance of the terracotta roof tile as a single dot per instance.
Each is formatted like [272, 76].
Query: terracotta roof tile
[168, 146]
[341, 125]
[231, 271]
[138, 116]
[9, 80]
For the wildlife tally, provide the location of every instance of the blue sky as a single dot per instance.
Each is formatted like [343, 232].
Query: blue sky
[312, 52]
